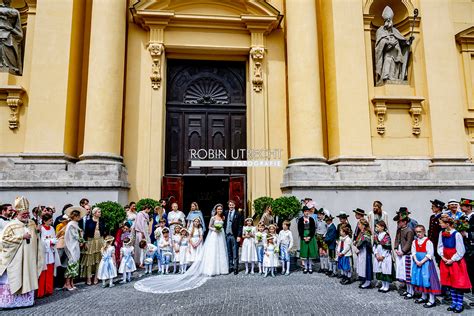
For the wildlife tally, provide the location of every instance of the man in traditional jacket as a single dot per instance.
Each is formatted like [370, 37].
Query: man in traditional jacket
[468, 237]
[21, 259]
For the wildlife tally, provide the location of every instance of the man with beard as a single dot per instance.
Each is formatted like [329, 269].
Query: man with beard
[21, 259]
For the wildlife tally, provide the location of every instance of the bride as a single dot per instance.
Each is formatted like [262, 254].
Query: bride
[211, 261]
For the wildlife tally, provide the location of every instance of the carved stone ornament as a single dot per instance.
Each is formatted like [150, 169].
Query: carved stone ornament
[257, 53]
[156, 50]
[412, 103]
[206, 91]
[13, 99]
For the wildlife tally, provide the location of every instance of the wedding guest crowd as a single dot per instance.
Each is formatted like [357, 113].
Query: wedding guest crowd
[37, 255]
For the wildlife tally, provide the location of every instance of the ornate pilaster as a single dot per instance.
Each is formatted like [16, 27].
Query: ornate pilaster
[257, 54]
[13, 97]
[156, 50]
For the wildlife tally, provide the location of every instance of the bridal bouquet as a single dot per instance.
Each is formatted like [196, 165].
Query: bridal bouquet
[248, 230]
[259, 236]
[218, 227]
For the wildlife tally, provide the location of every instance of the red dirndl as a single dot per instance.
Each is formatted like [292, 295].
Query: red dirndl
[454, 275]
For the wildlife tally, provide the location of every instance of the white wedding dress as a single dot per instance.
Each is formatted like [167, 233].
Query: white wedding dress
[211, 261]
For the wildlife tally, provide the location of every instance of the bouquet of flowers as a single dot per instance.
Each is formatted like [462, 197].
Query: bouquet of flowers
[157, 233]
[218, 227]
[276, 250]
[461, 224]
[248, 230]
[259, 236]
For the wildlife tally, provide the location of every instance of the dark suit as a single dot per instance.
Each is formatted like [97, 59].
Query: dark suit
[231, 235]
[469, 245]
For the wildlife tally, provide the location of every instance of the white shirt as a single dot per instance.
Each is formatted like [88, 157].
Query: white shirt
[285, 237]
[429, 247]
[48, 237]
[347, 249]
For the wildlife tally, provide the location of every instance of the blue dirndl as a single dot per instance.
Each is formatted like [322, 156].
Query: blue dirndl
[344, 263]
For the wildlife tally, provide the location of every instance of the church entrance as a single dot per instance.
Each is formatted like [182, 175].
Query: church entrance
[205, 111]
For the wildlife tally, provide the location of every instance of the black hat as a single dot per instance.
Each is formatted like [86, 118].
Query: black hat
[342, 214]
[437, 203]
[402, 213]
[359, 211]
[305, 208]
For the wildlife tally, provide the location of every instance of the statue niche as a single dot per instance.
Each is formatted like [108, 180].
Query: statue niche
[392, 51]
[11, 35]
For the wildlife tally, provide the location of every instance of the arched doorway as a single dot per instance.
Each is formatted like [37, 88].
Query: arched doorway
[205, 110]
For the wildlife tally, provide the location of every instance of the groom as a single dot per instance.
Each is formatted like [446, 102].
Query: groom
[233, 223]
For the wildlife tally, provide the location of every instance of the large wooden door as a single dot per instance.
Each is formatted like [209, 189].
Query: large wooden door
[172, 190]
[205, 109]
[237, 191]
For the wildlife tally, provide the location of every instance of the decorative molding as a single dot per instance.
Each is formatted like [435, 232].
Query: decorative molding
[411, 103]
[465, 40]
[257, 53]
[206, 91]
[13, 97]
[156, 50]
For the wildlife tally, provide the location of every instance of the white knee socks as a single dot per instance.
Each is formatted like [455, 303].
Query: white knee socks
[252, 268]
[287, 268]
[410, 289]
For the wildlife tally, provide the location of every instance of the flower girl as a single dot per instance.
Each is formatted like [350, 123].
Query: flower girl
[127, 263]
[249, 251]
[260, 238]
[175, 240]
[270, 260]
[196, 238]
[183, 250]
[285, 243]
[107, 269]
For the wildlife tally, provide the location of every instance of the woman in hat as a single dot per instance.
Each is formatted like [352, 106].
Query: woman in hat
[453, 270]
[363, 244]
[454, 212]
[93, 234]
[72, 241]
[308, 246]
[107, 266]
[249, 251]
[402, 248]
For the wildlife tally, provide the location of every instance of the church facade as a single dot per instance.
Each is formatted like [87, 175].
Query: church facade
[115, 96]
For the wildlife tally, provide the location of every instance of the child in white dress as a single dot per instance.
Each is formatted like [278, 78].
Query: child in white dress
[285, 243]
[196, 239]
[183, 250]
[166, 247]
[260, 240]
[249, 251]
[176, 238]
[127, 263]
[107, 267]
[270, 260]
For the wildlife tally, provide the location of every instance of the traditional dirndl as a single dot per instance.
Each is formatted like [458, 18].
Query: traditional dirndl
[308, 249]
[344, 263]
[454, 275]
[425, 278]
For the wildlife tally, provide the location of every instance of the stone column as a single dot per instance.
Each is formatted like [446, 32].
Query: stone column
[103, 125]
[445, 102]
[304, 95]
[347, 99]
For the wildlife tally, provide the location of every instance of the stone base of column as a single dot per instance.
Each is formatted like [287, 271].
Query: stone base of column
[58, 175]
[99, 158]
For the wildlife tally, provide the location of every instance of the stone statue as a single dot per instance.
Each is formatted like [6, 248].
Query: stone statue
[11, 35]
[391, 52]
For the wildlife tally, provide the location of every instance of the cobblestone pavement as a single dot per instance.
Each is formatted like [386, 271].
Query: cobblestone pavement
[234, 295]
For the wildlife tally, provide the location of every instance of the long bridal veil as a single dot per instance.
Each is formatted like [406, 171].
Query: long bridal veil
[210, 261]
